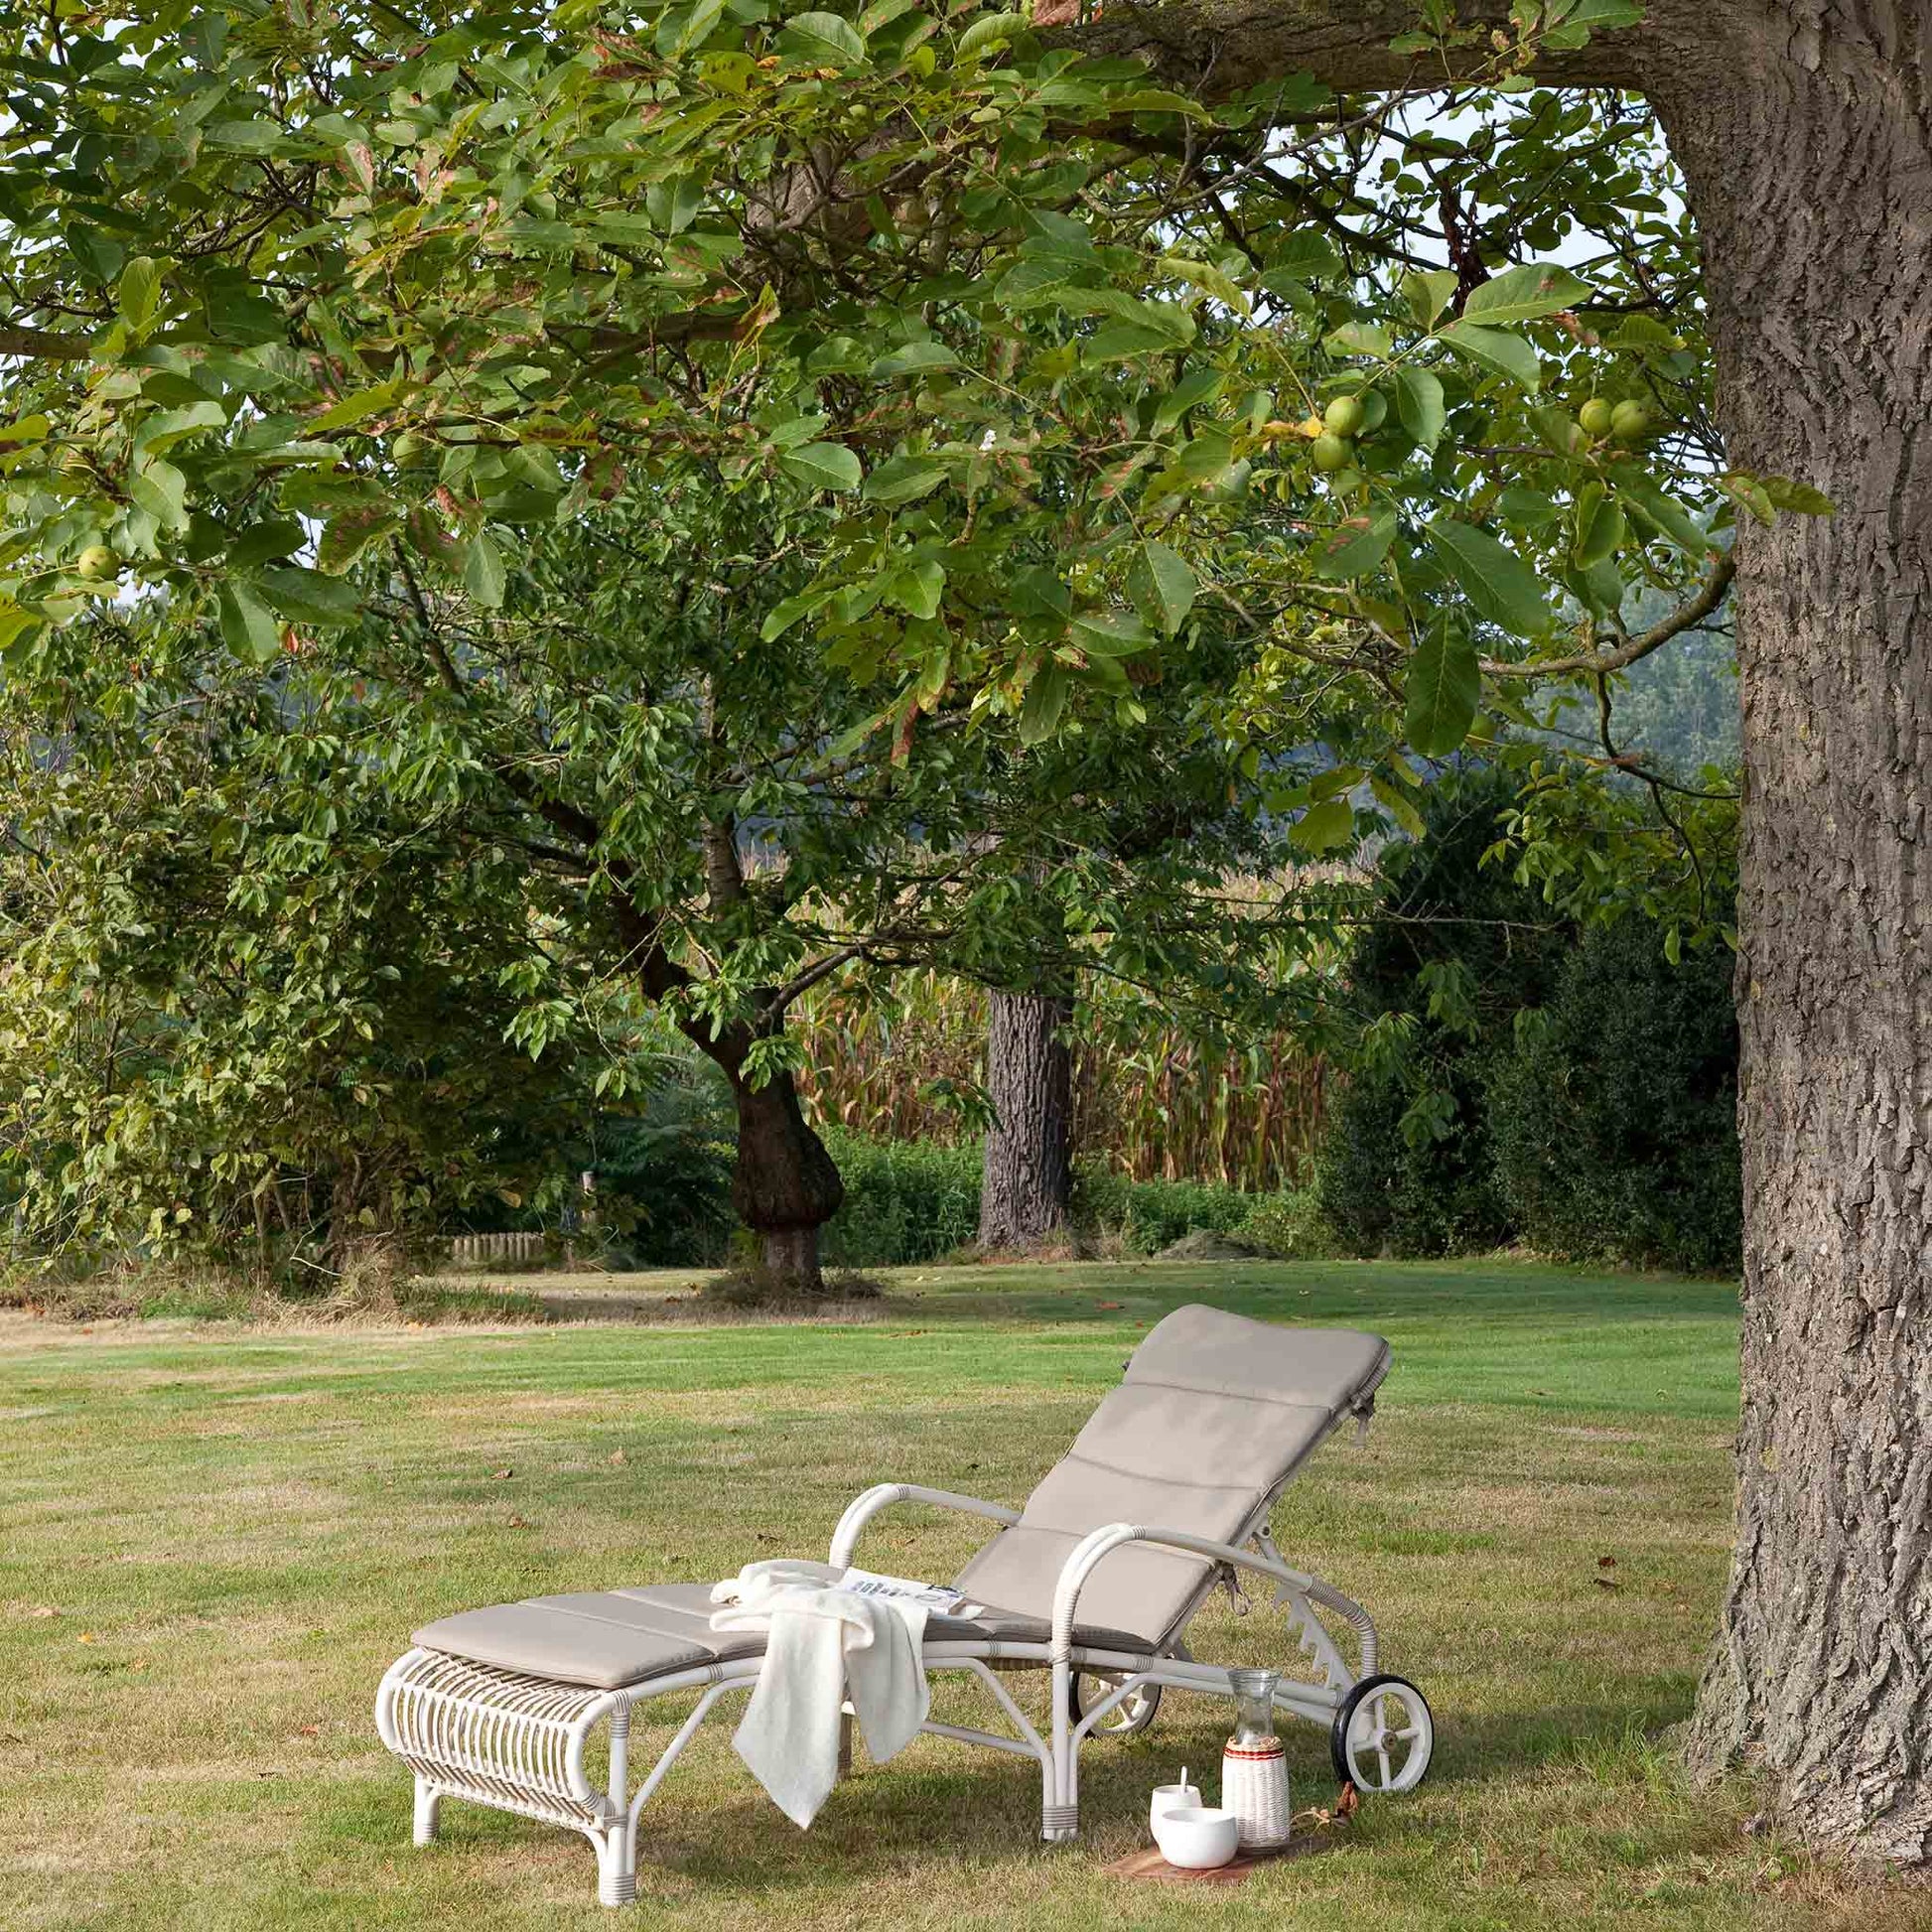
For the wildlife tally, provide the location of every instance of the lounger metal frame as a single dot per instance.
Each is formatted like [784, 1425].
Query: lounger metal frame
[522, 1743]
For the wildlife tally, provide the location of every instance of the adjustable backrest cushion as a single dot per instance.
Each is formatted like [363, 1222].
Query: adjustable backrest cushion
[1214, 1413]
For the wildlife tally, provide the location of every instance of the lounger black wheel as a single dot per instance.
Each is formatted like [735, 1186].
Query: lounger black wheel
[1383, 1737]
[1131, 1715]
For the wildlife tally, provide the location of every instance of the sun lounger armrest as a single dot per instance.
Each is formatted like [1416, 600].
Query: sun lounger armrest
[1102, 1542]
[883, 1495]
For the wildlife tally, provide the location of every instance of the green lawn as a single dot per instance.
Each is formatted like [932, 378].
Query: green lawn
[235, 1531]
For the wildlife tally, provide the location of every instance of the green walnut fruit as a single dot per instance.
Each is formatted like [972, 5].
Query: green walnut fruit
[97, 564]
[1330, 453]
[1344, 416]
[1597, 416]
[1630, 422]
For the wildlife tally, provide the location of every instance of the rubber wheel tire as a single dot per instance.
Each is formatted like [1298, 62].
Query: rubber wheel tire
[1076, 1710]
[1339, 1730]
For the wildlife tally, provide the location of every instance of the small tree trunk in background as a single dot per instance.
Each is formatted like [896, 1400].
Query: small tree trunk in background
[1027, 1175]
[785, 1186]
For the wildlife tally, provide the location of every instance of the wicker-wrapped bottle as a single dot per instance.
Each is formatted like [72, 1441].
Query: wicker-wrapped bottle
[1254, 1769]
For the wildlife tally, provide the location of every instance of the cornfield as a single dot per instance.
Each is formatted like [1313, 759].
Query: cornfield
[1151, 1101]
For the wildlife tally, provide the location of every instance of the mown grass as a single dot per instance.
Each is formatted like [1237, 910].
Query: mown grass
[235, 1531]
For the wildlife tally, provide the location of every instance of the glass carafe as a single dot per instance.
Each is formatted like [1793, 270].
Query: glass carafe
[1254, 1768]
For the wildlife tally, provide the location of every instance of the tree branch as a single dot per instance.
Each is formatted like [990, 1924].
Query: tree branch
[44, 345]
[1686, 617]
[1344, 43]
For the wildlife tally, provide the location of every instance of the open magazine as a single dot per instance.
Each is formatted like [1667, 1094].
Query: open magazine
[941, 1597]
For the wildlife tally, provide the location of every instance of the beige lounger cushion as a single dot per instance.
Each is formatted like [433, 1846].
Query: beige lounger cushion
[1214, 1413]
[608, 1638]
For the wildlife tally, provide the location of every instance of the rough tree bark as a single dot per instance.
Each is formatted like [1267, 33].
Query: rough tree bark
[784, 1186]
[1805, 130]
[1806, 133]
[1026, 1176]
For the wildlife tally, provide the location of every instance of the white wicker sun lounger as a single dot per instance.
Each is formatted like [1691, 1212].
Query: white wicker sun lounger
[1164, 1494]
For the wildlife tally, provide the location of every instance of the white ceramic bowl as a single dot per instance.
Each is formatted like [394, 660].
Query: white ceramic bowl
[1196, 1838]
[1170, 1797]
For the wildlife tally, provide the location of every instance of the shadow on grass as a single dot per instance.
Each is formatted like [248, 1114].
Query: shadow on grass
[889, 1822]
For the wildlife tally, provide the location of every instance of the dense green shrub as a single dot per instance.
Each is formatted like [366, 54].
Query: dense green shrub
[665, 1178]
[1147, 1215]
[1406, 1165]
[906, 1201]
[1383, 1192]
[1291, 1224]
[1614, 1122]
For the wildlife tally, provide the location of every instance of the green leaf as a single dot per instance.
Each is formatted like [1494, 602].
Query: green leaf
[248, 626]
[1163, 586]
[1666, 514]
[819, 40]
[1785, 495]
[357, 408]
[1443, 688]
[918, 589]
[1497, 348]
[243, 137]
[1326, 827]
[1353, 548]
[138, 292]
[1600, 527]
[990, 30]
[1361, 338]
[265, 542]
[674, 204]
[913, 359]
[351, 531]
[1419, 405]
[1193, 389]
[823, 465]
[1110, 633]
[484, 575]
[1427, 292]
[1397, 805]
[1045, 700]
[1496, 581]
[1523, 294]
[1306, 256]
[28, 429]
[1525, 508]
[904, 479]
[307, 597]
[161, 491]
[1208, 278]
[1121, 340]
[787, 613]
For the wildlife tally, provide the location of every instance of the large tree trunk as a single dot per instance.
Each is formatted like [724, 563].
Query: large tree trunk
[784, 1186]
[1807, 139]
[1027, 1175]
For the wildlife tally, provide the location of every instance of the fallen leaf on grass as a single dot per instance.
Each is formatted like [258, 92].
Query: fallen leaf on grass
[501, 1475]
[518, 1523]
[1606, 1583]
[41, 1610]
[1106, 1304]
[308, 1730]
[88, 1636]
[1347, 1802]
[1606, 1563]
[618, 1458]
